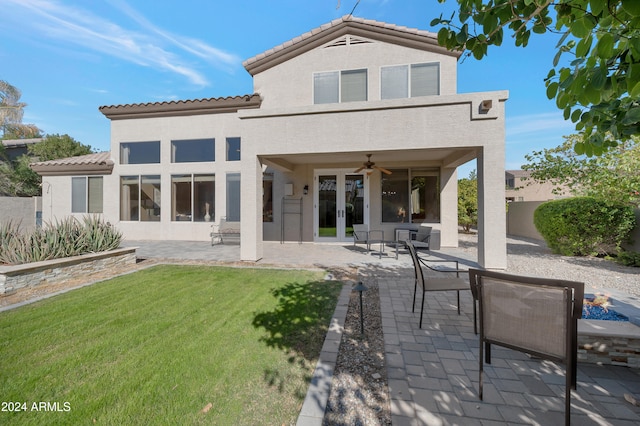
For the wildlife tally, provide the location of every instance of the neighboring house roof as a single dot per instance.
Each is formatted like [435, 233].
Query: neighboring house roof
[366, 28]
[20, 143]
[181, 108]
[518, 173]
[91, 164]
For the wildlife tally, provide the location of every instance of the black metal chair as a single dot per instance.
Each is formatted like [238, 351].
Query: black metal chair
[431, 283]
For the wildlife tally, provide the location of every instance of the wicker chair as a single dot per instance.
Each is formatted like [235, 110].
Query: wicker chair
[538, 316]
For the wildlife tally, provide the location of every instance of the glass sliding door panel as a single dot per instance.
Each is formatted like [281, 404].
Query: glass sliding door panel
[354, 203]
[327, 206]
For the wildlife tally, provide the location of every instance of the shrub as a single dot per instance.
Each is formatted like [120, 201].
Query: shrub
[628, 258]
[583, 226]
[65, 238]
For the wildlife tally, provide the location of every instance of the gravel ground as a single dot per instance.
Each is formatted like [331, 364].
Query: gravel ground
[359, 393]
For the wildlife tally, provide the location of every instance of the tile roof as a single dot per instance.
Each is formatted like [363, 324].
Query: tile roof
[15, 143]
[397, 34]
[97, 163]
[181, 108]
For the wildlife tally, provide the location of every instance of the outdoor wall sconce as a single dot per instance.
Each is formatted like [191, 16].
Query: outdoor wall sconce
[486, 105]
[305, 190]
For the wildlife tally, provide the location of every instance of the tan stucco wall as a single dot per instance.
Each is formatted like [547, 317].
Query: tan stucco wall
[218, 126]
[291, 83]
[520, 219]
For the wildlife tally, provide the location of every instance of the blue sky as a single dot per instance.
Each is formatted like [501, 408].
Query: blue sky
[69, 57]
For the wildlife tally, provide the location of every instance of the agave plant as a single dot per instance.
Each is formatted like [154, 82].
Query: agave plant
[65, 238]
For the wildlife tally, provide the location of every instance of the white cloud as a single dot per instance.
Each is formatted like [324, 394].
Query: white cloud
[530, 125]
[145, 45]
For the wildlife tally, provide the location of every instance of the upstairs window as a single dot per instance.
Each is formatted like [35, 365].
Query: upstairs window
[192, 150]
[233, 149]
[140, 152]
[404, 81]
[340, 86]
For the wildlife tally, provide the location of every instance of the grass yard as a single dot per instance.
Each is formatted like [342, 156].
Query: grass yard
[161, 345]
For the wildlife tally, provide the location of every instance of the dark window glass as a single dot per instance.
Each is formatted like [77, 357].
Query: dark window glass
[233, 149]
[140, 152]
[193, 150]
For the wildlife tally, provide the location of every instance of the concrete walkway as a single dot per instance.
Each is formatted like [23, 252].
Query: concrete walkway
[433, 371]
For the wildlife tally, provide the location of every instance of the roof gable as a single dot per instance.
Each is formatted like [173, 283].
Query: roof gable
[358, 30]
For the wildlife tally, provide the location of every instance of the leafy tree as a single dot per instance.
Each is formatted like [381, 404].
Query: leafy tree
[468, 202]
[614, 176]
[11, 112]
[17, 179]
[599, 89]
[58, 146]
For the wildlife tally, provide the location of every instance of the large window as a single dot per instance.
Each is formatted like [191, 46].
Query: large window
[340, 86]
[86, 194]
[233, 197]
[395, 196]
[425, 196]
[411, 196]
[140, 198]
[233, 149]
[193, 150]
[193, 198]
[140, 152]
[403, 81]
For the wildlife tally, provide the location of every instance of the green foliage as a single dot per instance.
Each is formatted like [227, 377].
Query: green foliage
[599, 88]
[584, 226]
[65, 238]
[18, 179]
[468, 202]
[57, 146]
[11, 112]
[628, 258]
[614, 176]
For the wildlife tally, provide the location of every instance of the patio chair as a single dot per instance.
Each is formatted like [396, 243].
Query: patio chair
[537, 316]
[434, 284]
[421, 237]
[362, 235]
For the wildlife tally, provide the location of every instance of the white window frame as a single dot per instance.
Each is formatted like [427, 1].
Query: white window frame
[409, 93]
[340, 74]
[87, 202]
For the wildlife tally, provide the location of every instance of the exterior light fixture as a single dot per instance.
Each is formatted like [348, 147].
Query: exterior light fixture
[305, 190]
[486, 105]
[360, 288]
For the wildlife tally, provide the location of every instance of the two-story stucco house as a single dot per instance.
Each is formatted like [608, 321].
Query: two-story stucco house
[288, 160]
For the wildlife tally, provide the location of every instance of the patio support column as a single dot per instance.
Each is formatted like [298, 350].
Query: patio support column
[449, 207]
[251, 210]
[492, 217]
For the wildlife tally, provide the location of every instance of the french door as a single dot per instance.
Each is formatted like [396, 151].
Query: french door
[340, 201]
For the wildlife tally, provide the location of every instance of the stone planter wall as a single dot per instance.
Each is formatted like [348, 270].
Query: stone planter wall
[15, 277]
[609, 343]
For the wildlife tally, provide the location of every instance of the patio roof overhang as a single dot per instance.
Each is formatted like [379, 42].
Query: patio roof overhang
[428, 157]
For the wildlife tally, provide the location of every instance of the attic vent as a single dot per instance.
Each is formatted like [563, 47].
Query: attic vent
[348, 40]
[355, 40]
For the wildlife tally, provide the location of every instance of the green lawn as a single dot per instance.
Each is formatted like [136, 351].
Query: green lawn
[158, 346]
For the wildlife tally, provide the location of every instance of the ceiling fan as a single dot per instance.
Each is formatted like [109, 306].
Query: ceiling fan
[369, 166]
